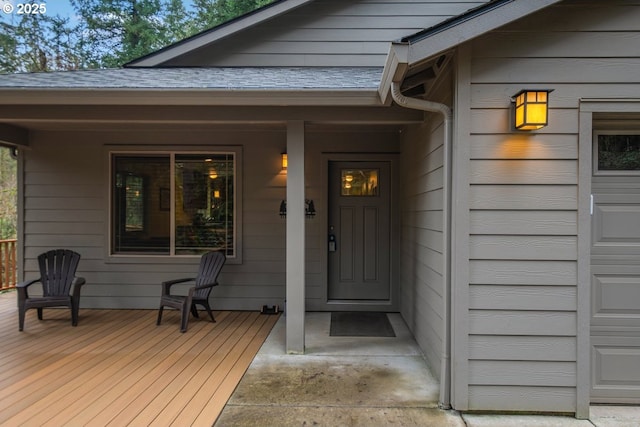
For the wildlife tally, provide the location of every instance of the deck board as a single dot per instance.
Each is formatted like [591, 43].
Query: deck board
[213, 407]
[118, 368]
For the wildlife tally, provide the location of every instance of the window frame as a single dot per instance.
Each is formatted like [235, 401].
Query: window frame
[112, 153]
[595, 158]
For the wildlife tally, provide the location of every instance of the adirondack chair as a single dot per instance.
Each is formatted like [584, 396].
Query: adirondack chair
[60, 286]
[210, 265]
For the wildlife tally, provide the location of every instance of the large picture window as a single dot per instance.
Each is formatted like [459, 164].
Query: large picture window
[173, 203]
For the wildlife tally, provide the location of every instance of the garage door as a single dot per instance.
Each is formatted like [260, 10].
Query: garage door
[615, 268]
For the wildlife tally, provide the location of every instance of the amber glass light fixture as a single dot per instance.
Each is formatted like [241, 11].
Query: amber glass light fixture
[531, 109]
[285, 161]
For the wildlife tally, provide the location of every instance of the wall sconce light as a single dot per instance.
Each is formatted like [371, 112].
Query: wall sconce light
[531, 109]
[285, 161]
[283, 209]
[309, 209]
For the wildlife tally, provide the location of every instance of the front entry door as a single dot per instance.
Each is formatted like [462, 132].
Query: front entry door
[359, 231]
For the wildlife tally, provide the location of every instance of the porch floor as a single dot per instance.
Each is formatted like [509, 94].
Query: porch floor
[118, 368]
[339, 381]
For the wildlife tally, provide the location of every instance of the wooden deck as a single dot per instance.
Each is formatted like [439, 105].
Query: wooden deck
[118, 368]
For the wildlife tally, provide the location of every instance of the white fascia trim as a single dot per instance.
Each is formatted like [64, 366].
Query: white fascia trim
[213, 97]
[395, 68]
[217, 33]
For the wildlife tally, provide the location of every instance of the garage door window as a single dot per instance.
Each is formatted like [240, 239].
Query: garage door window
[617, 152]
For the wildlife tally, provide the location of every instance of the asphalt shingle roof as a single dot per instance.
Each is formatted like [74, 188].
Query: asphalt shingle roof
[229, 78]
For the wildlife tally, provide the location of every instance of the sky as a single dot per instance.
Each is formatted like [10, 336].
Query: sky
[51, 7]
[57, 7]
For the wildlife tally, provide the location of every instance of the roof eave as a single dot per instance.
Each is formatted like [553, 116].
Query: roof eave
[395, 68]
[193, 97]
[432, 42]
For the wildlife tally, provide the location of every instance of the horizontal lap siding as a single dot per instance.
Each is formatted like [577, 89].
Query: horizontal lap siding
[522, 297]
[422, 258]
[527, 373]
[523, 398]
[328, 33]
[66, 200]
[537, 348]
[523, 198]
[523, 268]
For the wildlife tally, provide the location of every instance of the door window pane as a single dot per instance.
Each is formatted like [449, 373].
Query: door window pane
[359, 182]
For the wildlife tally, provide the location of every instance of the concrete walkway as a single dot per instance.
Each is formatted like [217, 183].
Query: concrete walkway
[347, 381]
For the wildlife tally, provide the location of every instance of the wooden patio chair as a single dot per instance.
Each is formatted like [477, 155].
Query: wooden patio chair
[210, 265]
[60, 286]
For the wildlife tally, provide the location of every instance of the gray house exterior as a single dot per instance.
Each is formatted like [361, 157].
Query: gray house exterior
[512, 256]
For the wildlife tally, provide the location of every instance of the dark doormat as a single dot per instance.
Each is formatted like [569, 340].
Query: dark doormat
[360, 324]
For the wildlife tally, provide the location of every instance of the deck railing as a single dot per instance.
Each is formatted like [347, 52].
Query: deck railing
[8, 271]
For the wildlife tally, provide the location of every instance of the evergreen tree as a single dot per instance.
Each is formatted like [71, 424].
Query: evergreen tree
[209, 13]
[8, 47]
[65, 45]
[32, 43]
[8, 195]
[110, 32]
[118, 31]
[177, 24]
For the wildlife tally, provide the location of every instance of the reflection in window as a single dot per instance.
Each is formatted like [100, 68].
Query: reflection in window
[134, 206]
[203, 210]
[359, 182]
[204, 203]
[139, 225]
[618, 152]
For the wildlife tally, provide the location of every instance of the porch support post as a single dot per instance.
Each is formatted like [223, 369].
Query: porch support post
[295, 238]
